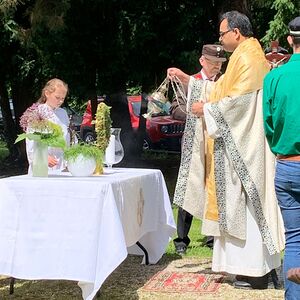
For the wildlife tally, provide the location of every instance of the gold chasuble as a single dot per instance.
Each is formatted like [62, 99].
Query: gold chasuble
[243, 176]
[244, 74]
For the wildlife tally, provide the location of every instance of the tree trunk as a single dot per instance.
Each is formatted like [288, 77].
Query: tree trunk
[9, 125]
[23, 97]
[121, 119]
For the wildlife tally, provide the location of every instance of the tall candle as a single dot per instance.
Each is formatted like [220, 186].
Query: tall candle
[110, 151]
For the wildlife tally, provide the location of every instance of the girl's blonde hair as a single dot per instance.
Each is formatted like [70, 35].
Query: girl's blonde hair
[51, 86]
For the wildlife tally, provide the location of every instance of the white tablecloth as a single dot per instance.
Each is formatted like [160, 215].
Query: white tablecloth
[81, 228]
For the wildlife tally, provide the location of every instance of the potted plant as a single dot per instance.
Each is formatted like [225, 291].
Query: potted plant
[82, 159]
[37, 127]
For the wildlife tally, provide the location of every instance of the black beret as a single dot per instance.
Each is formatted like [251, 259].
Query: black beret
[294, 27]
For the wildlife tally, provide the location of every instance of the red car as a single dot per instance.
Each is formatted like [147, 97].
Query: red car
[162, 132]
[87, 134]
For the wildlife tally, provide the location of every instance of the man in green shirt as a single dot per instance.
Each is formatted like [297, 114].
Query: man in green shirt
[281, 110]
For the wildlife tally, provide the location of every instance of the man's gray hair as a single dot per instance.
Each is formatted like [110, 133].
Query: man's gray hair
[238, 20]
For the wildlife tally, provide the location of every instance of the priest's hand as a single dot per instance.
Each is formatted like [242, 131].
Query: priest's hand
[176, 74]
[197, 109]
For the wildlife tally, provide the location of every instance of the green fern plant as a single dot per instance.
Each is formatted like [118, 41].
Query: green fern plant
[86, 150]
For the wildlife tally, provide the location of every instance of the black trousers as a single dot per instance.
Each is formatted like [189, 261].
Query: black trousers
[184, 222]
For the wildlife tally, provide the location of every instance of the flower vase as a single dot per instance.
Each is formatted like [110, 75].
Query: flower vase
[81, 166]
[40, 159]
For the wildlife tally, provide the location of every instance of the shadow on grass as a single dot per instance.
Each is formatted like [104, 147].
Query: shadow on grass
[40, 289]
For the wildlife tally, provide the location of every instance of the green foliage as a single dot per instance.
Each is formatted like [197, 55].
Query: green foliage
[286, 10]
[53, 137]
[7, 6]
[3, 150]
[150, 155]
[86, 150]
[77, 104]
[49, 13]
[109, 46]
[135, 90]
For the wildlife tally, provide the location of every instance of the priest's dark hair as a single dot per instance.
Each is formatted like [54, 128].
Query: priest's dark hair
[238, 20]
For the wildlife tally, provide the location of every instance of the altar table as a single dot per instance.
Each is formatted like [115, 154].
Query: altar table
[82, 228]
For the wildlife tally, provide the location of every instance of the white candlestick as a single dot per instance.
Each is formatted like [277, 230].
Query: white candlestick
[110, 151]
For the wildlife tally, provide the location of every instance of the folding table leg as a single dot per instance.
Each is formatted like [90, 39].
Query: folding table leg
[145, 252]
[11, 285]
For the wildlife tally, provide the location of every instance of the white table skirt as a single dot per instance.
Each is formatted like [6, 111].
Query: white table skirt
[81, 228]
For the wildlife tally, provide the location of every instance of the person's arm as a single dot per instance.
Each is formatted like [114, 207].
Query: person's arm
[29, 151]
[197, 107]
[62, 119]
[267, 109]
[211, 125]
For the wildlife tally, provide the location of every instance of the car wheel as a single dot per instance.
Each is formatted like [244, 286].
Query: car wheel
[89, 137]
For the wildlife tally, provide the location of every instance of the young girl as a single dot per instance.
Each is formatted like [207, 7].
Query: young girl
[52, 97]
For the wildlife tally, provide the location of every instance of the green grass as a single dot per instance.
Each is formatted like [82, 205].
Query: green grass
[159, 155]
[3, 151]
[195, 248]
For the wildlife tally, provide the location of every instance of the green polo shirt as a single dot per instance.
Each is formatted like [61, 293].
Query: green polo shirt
[281, 107]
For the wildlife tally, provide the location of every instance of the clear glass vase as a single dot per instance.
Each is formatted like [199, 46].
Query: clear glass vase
[40, 159]
[114, 153]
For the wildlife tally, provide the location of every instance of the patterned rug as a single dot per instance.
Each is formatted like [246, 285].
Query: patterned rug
[180, 282]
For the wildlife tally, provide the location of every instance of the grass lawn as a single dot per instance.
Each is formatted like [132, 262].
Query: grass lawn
[195, 248]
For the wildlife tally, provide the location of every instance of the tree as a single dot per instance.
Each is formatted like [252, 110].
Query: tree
[106, 46]
[278, 30]
[8, 34]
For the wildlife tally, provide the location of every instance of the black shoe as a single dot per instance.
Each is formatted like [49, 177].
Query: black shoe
[180, 250]
[181, 245]
[246, 282]
[209, 242]
[259, 283]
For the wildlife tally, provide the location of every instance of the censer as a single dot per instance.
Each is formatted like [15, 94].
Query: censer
[158, 101]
